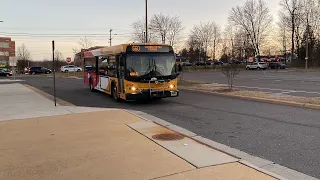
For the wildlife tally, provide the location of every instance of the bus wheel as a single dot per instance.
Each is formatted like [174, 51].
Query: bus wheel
[114, 93]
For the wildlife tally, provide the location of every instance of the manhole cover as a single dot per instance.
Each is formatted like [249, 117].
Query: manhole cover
[167, 137]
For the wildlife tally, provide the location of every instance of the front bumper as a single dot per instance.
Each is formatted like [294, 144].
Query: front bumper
[151, 95]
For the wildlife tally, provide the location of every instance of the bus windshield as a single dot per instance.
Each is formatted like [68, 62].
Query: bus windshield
[150, 65]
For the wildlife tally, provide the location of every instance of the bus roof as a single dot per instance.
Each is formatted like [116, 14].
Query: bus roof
[116, 49]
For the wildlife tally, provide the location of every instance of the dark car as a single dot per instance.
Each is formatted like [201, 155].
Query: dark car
[39, 70]
[48, 71]
[186, 64]
[5, 73]
[200, 63]
[276, 65]
[218, 63]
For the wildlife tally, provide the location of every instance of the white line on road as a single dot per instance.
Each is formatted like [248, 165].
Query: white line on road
[283, 90]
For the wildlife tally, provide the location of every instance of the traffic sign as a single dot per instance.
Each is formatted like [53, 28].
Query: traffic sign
[12, 61]
[68, 60]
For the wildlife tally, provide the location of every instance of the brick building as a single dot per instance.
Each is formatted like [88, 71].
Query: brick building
[7, 49]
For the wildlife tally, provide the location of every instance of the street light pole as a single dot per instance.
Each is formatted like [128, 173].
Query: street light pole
[146, 21]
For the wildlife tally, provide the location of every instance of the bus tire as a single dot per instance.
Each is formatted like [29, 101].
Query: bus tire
[114, 92]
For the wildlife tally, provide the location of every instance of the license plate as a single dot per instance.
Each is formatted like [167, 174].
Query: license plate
[174, 93]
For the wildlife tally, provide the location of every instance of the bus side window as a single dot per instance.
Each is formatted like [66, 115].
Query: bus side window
[112, 66]
[103, 64]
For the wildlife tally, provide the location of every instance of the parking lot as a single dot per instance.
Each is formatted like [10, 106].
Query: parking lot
[282, 82]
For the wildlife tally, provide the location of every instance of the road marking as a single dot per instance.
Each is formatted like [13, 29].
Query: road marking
[283, 90]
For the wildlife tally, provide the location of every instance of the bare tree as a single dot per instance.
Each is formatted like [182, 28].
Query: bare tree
[216, 39]
[60, 61]
[230, 71]
[254, 19]
[166, 27]
[204, 34]
[23, 53]
[84, 43]
[230, 34]
[58, 56]
[139, 32]
[23, 58]
[175, 29]
[289, 15]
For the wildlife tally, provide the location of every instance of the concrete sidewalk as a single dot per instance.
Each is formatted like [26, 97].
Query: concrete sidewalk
[46, 142]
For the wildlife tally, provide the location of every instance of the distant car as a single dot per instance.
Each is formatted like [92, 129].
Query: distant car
[38, 70]
[276, 65]
[186, 64]
[70, 68]
[208, 63]
[5, 73]
[48, 71]
[218, 63]
[257, 65]
[200, 63]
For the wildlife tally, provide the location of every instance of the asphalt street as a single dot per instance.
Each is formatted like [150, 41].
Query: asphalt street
[283, 82]
[285, 135]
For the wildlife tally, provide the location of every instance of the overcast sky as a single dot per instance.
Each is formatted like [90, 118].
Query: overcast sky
[97, 17]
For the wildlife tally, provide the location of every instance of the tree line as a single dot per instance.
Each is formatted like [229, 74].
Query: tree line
[250, 32]
[24, 60]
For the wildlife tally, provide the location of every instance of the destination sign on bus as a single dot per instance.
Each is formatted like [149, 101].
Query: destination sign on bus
[149, 48]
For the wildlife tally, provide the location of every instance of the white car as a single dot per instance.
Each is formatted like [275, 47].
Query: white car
[257, 65]
[70, 68]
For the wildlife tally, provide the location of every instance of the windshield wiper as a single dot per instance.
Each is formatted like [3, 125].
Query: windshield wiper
[150, 69]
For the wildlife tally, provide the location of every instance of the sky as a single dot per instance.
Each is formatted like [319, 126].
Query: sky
[26, 21]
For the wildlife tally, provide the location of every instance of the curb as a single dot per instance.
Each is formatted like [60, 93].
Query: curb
[48, 96]
[271, 101]
[262, 165]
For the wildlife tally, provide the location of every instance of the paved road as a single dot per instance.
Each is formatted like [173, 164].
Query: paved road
[285, 82]
[286, 135]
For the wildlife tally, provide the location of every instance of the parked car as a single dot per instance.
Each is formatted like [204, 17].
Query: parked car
[70, 68]
[218, 63]
[38, 70]
[5, 73]
[257, 65]
[200, 63]
[186, 64]
[276, 65]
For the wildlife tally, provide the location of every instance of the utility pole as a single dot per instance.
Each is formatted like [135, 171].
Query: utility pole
[54, 74]
[110, 39]
[307, 48]
[146, 21]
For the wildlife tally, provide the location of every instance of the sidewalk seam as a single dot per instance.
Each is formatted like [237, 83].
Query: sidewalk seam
[162, 146]
[172, 174]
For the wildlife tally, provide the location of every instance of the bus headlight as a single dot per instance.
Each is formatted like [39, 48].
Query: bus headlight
[133, 88]
[171, 86]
